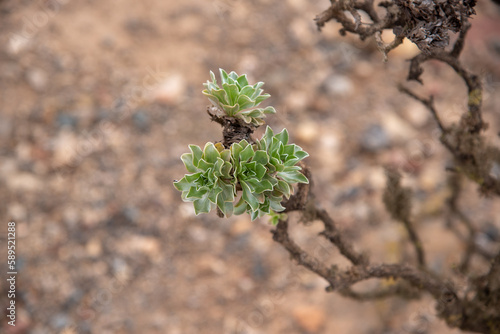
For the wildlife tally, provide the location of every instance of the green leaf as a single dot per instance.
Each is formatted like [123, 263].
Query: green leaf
[203, 165]
[210, 153]
[240, 207]
[223, 75]
[261, 98]
[242, 80]
[183, 184]
[248, 196]
[232, 93]
[260, 171]
[230, 110]
[202, 206]
[261, 157]
[248, 91]
[247, 153]
[187, 159]
[283, 137]
[293, 177]
[269, 110]
[198, 193]
[260, 186]
[244, 102]
[283, 187]
[212, 76]
[196, 152]
[299, 153]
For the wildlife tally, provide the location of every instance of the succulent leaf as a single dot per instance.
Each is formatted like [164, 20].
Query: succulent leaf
[237, 98]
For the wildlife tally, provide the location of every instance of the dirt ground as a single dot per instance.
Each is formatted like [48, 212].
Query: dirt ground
[99, 99]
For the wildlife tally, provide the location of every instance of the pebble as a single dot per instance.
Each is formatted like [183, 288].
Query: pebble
[23, 182]
[259, 270]
[309, 318]
[416, 113]
[66, 121]
[210, 264]
[94, 247]
[303, 32]
[241, 226]
[396, 128]
[141, 121]
[339, 85]
[17, 211]
[198, 233]
[60, 320]
[170, 90]
[308, 131]
[17, 44]
[37, 79]
[374, 138]
[495, 170]
[297, 100]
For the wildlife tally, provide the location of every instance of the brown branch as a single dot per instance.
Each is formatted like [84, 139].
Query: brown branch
[454, 182]
[386, 48]
[471, 121]
[280, 234]
[357, 273]
[337, 9]
[396, 290]
[398, 203]
[333, 234]
[429, 103]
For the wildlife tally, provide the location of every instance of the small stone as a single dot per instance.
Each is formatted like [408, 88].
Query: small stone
[93, 247]
[60, 321]
[396, 128]
[309, 318]
[417, 114]
[307, 131]
[492, 232]
[374, 138]
[298, 100]
[209, 264]
[18, 43]
[363, 69]
[303, 32]
[141, 121]
[495, 170]
[186, 210]
[241, 226]
[17, 211]
[147, 245]
[198, 233]
[67, 121]
[23, 182]
[37, 79]
[171, 90]
[339, 85]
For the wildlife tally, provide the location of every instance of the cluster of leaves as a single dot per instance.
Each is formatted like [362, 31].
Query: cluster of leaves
[237, 98]
[264, 172]
[427, 22]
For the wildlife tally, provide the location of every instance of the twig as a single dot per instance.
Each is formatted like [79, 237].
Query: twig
[332, 233]
[280, 234]
[398, 289]
[429, 103]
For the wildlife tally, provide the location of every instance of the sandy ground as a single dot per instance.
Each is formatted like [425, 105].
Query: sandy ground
[98, 100]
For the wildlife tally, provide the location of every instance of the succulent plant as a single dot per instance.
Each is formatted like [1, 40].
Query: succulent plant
[263, 171]
[211, 182]
[237, 98]
[263, 194]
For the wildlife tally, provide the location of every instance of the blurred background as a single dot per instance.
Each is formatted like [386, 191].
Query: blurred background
[98, 100]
